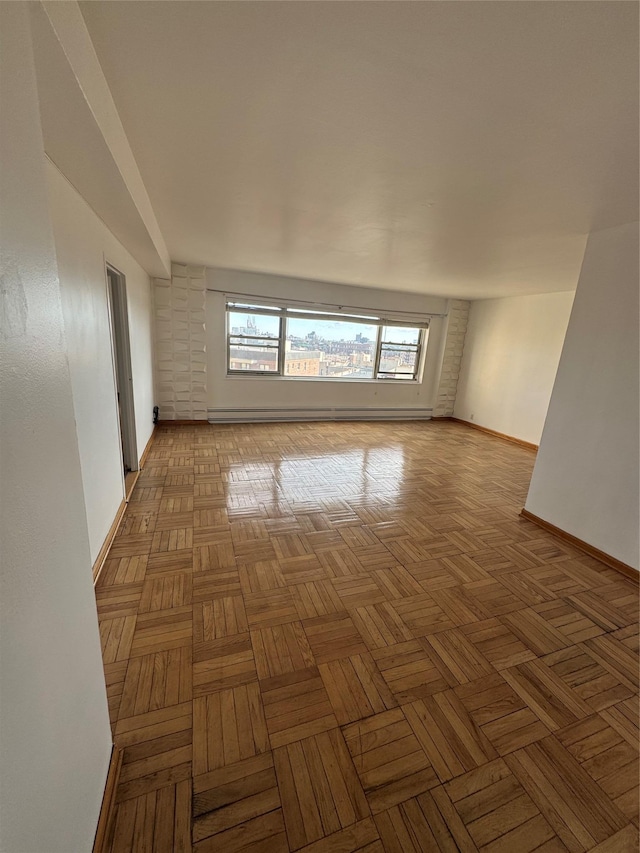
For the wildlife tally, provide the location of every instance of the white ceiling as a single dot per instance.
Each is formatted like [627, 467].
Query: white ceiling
[455, 148]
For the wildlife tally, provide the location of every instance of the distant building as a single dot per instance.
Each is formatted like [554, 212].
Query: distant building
[303, 362]
[297, 362]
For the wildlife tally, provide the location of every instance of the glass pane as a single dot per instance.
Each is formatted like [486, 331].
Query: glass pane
[397, 360]
[263, 359]
[257, 325]
[400, 335]
[330, 348]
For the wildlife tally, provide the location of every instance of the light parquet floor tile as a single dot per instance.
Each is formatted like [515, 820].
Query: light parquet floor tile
[574, 805]
[497, 644]
[321, 793]
[358, 590]
[504, 717]
[624, 718]
[428, 822]
[158, 821]
[458, 660]
[409, 671]
[151, 765]
[156, 681]
[611, 606]
[389, 759]
[553, 701]
[356, 688]
[122, 570]
[539, 634]
[573, 624]
[238, 805]
[449, 736]
[608, 758]
[165, 592]
[220, 617]
[162, 630]
[227, 662]
[217, 583]
[333, 636]
[116, 637]
[360, 837]
[422, 615]
[498, 813]
[228, 726]
[281, 649]
[584, 673]
[297, 706]
[380, 625]
[270, 607]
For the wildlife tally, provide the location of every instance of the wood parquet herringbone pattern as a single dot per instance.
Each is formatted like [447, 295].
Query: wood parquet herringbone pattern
[343, 637]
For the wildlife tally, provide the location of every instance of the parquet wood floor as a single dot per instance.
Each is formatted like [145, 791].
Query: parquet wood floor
[342, 637]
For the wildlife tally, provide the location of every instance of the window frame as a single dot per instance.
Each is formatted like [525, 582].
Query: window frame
[415, 348]
[278, 342]
[283, 314]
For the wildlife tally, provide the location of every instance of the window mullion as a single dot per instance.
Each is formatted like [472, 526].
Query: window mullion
[281, 339]
[416, 360]
[376, 366]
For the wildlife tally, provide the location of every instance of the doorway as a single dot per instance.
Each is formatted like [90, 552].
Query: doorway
[117, 292]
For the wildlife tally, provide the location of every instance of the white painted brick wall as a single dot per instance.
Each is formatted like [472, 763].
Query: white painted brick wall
[454, 345]
[181, 356]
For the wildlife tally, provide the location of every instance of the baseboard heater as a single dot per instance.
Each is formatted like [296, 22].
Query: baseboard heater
[338, 413]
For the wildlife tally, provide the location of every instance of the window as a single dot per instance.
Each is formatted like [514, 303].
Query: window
[399, 353]
[298, 342]
[331, 348]
[253, 341]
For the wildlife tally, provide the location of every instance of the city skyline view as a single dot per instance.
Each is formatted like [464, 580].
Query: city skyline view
[321, 348]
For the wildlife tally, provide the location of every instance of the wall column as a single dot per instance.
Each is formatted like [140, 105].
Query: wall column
[181, 349]
[456, 330]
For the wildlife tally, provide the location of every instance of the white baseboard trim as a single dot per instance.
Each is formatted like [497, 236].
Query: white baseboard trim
[338, 413]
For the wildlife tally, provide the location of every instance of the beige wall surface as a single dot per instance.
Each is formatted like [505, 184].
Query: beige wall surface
[511, 354]
[585, 480]
[55, 738]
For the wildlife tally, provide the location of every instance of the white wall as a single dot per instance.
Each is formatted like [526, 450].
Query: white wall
[237, 393]
[83, 245]
[54, 728]
[511, 354]
[585, 480]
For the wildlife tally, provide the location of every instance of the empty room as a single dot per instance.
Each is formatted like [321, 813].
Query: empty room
[319, 426]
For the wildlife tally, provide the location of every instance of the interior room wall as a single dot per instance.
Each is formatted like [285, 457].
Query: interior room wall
[83, 246]
[55, 738]
[511, 354]
[585, 479]
[322, 398]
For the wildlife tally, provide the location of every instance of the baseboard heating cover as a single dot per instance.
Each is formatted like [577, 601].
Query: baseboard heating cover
[342, 413]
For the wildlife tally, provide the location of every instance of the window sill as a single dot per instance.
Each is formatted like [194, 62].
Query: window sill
[343, 380]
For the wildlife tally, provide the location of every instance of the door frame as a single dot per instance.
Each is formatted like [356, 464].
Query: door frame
[122, 373]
